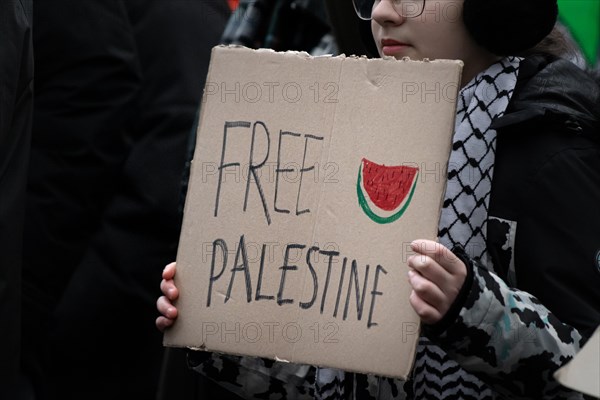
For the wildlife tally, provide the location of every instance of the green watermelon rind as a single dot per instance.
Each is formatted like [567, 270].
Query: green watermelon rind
[370, 213]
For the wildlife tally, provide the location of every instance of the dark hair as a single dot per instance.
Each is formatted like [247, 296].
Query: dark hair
[557, 43]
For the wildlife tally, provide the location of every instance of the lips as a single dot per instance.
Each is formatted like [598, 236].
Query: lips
[391, 47]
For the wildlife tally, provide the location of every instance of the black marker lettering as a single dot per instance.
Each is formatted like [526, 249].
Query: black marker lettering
[260, 274]
[330, 254]
[284, 268]
[374, 293]
[241, 267]
[228, 124]
[314, 277]
[339, 293]
[223, 246]
[252, 170]
[360, 299]
[279, 170]
[303, 170]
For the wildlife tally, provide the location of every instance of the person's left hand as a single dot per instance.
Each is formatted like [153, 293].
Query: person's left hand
[436, 276]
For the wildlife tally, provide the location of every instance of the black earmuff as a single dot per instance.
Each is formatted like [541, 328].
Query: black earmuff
[507, 27]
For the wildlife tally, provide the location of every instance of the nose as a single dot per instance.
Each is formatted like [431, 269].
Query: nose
[385, 13]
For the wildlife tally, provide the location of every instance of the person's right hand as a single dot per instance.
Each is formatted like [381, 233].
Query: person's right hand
[164, 303]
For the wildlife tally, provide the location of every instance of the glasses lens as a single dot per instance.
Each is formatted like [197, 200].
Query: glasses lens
[405, 8]
[364, 8]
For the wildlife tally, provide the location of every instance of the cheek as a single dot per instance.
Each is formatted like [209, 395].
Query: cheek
[443, 48]
[449, 43]
[375, 28]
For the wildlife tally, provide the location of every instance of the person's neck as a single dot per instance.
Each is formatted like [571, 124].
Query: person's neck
[470, 70]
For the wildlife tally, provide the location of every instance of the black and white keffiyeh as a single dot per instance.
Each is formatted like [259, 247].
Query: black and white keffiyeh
[463, 221]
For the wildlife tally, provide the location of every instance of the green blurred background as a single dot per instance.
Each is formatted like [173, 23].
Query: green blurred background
[582, 18]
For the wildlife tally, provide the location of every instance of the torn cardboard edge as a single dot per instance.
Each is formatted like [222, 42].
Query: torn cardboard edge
[368, 114]
[305, 55]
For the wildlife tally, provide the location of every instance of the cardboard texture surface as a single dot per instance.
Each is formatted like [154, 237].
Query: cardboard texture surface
[582, 373]
[310, 179]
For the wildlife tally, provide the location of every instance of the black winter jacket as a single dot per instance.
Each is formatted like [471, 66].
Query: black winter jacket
[522, 321]
[548, 180]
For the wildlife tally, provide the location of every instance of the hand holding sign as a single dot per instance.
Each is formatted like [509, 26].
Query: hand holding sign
[278, 258]
[164, 303]
[436, 277]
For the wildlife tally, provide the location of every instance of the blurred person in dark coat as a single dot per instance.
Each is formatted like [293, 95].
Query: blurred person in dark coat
[120, 83]
[88, 74]
[16, 89]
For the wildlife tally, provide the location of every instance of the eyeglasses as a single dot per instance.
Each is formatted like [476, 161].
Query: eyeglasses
[405, 8]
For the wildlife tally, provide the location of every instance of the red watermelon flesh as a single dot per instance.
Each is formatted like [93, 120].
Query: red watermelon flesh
[387, 186]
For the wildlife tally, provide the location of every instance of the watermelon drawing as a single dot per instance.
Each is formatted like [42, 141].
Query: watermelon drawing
[384, 192]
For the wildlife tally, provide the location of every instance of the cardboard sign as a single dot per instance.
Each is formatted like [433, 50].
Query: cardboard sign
[310, 179]
[582, 373]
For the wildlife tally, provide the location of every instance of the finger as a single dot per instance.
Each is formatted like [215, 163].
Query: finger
[429, 268]
[428, 291]
[441, 254]
[165, 307]
[163, 323]
[168, 288]
[425, 311]
[169, 271]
